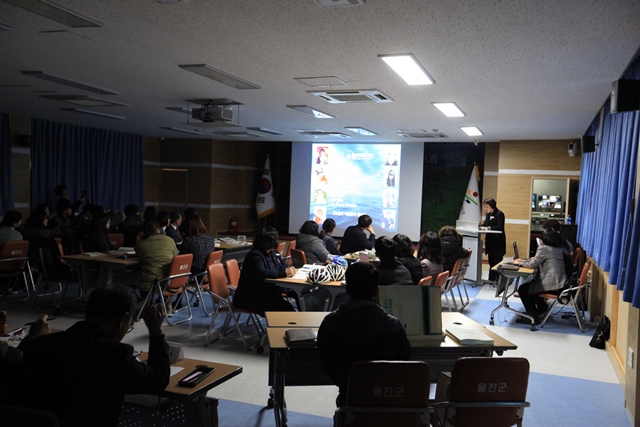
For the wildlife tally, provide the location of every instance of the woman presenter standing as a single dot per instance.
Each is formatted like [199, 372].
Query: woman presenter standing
[495, 243]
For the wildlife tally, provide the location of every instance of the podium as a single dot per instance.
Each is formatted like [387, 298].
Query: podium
[471, 240]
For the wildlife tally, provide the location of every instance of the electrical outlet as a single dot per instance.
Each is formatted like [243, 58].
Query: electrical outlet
[630, 358]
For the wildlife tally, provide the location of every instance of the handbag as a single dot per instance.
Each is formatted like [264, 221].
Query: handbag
[602, 333]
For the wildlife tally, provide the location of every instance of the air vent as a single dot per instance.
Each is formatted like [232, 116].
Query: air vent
[348, 96]
[315, 133]
[420, 133]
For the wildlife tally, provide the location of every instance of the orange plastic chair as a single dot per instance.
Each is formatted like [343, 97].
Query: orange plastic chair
[14, 263]
[201, 280]
[116, 240]
[571, 296]
[425, 281]
[298, 258]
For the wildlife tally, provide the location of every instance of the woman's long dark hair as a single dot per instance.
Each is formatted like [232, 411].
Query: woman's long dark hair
[430, 247]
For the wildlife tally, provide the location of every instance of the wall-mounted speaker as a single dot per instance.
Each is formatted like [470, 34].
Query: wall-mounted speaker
[24, 140]
[588, 144]
[625, 96]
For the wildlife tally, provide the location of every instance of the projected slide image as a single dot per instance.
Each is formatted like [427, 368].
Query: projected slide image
[349, 180]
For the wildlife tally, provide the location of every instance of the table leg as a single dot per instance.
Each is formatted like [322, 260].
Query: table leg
[208, 411]
[277, 392]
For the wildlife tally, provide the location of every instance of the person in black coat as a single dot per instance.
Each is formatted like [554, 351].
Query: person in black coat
[406, 257]
[495, 244]
[392, 271]
[355, 239]
[452, 249]
[262, 262]
[98, 238]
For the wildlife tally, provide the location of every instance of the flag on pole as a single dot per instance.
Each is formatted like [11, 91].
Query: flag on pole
[471, 204]
[265, 202]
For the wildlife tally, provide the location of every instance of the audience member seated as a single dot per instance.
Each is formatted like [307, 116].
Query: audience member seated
[163, 220]
[359, 330]
[82, 222]
[37, 233]
[98, 238]
[63, 200]
[310, 243]
[355, 239]
[10, 222]
[173, 230]
[407, 258]
[155, 253]
[131, 225]
[82, 374]
[150, 213]
[262, 263]
[188, 213]
[197, 242]
[567, 247]
[430, 254]
[392, 271]
[62, 222]
[329, 242]
[550, 278]
[452, 249]
[11, 358]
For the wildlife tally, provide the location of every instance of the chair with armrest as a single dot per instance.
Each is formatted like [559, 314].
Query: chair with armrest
[201, 281]
[571, 295]
[173, 285]
[386, 393]
[483, 391]
[298, 258]
[116, 240]
[14, 263]
[219, 290]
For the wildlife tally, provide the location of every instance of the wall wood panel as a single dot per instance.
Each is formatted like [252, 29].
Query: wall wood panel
[537, 155]
[515, 196]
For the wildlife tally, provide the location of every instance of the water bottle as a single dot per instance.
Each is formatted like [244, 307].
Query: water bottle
[568, 220]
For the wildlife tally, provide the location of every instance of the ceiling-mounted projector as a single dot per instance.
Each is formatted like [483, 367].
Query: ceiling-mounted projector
[213, 113]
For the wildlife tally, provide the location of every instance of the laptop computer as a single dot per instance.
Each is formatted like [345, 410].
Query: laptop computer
[516, 255]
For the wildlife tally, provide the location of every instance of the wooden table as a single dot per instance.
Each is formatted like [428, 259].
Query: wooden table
[506, 278]
[301, 366]
[207, 407]
[336, 288]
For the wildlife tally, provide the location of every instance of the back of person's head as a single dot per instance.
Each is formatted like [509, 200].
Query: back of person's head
[174, 216]
[150, 227]
[63, 205]
[195, 227]
[40, 208]
[364, 221]
[328, 225]
[551, 237]
[386, 248]
[551, 224]
[310, 227]
[430, 247]
[189, 212]
[448, 231]
[276, 234]
[489, 202]
[405, 245]
[131, 210]
[36, 220]
[163, 218]
[149, 213]
[11, 218]
[97, 209]
[265, 240]
[87, 209]
[99, 222]
[60, 189]
[110, 303]
[362, 280]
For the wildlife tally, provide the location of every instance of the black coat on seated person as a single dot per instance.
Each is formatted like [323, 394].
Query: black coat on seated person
[413, 265]
[355, 239]
[394, 273]
[256, 295]
[452, 250]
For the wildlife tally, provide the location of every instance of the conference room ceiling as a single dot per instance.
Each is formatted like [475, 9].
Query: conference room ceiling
[519, 70]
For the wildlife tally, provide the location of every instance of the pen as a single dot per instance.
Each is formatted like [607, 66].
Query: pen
[48, 320]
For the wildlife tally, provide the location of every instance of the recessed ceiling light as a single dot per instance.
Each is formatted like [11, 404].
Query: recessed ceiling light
[264, 130]
[93, 113]
[326, 81]
[240, 134]
[84, 101]
[449, 109]
[193, 132]
[408, 67]
[71, 83]
[471, 130]
[219, 76]
[316, 133]
[311, 111]
[55, 13]
[361, 131]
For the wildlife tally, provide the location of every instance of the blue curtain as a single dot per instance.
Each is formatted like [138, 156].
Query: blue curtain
[6, 187]
[606, 197]
[107, 165]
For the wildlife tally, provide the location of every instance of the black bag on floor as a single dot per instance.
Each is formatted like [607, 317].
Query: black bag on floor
[602, 333]
[315, 298]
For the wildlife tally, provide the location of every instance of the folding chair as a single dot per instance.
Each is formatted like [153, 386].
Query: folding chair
[116, 240]
[233, 273]
[571, 295]
[14, 263]
[298, 258]
[201, 281]
[425, 281]
[483, 392]
[461, 280]
[441, 281]
[173, 285]
[452, 282]
[219, 289]
[281, 249]
[386, 393]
